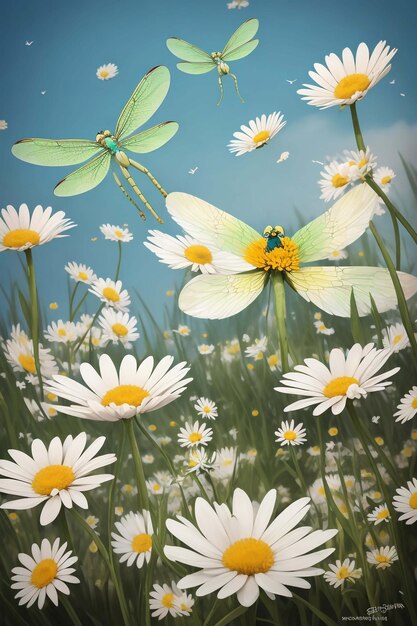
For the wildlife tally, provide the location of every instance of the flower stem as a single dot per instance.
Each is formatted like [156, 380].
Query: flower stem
[34, 315]
[71, 301]
[119, 260]
[280, 312]
[70, 611]
[143, 500]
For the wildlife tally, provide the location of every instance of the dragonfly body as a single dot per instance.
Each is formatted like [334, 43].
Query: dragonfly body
[273, 237]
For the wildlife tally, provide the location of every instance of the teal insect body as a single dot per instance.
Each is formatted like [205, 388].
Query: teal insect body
[111, 145]
[273, 237]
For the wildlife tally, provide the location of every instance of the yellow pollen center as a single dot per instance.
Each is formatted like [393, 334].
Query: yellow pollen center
[413, 500]
[349, 85]
[290, 435]
[385, 180]
[362, 163]
[339, 386]
[262, 136]
[62, 332]
[339, 181]
[168, 600]
[125, 394]
[20, 237]
[342, 573]
[104, 73]
[194, 437]
[119, 329]
[141, 542]
[44, 573]
[396, 339]
[248, 556]
[27, 362]
[273, 359]
[156, 487]
[381, 558]
[382, 514]
[206, 409]
[83, 275]
[52, 477]
[321, 491]
[198, 254]
[111, 294]
[414, 403]
[284, 259]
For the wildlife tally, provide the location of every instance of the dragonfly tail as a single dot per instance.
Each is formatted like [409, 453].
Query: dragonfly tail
[151, 177]
[138, 192]
[123, 190]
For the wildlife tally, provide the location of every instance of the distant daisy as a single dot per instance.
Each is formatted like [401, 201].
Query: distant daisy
[225, 463]
[382, 557]
[337, 255]
[105, 72]
[194, 435]
[336, 178]
[118, 327]
[361, 162]
[238, 4]
[199, 460]
[165, 599]
[340, 572]
[55, 475]
[322, 329]
[80, 272]
[346, 80]
[257, 349]
[112, 395]
[135, 540]
[258, 134]
[206, 408]
[116, 233]
[155, 487]
[346, 378]
[384, 176]
[21, 358]
[20, 230]
[407, 407]
[61, 332]
[379, 514]
[3, 125]
[405, 502]
[395, 338]
[110, 292]
[289, 434]
[44, 573]
[205, 348]
[183, 330]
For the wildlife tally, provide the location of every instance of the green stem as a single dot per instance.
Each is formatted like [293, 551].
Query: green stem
[356, 128]
[237, 612]
[119, 260]
[143, 500]
[280, 312]
[110, 511]
[75, 311]
[211, 613]
[71, 613]
[71, 302]
[34, 315]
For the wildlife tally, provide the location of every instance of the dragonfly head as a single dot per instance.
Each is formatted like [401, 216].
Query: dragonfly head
[101, 136]
[273, 232]
[216, 55]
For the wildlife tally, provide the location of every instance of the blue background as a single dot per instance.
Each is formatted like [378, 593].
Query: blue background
[72, 39]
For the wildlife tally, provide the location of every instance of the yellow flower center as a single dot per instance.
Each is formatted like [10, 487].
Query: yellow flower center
[51, 397]
[27, 362]
[273, 360]
[339, 181]
[20, 237]
[333, 431]
[52, 477]
[125, 394]
[385, 180]
[194, 437]
[262, 136]
[349, 85]
[248, 556]
[118, 232]
[285, 258]
[156, 487]
[413, 500]
[44, 573]
[111, 294]
[120, 330]
[168, 600]
[83, 275]
[62, 332]
[414, 406]
[382, 514]
[342, 573]
[141, 542]
[198, 254]
[104, 73]
[339, 386]
[290, 435]
[396, 339]
[321, 491]
[381, 558]
[362, 163]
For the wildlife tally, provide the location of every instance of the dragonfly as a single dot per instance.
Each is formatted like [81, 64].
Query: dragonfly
[109, 148]
[197, 61]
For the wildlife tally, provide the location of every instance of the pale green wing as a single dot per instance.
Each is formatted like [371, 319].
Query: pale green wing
[55, 151]
[243, 34]
[188, 51]
[330, 288]
[214, 296]
[196, 68]
[85, 178]
[144, 101]
[241, 51]
[210, 225]
[150, 139]
[338, 227]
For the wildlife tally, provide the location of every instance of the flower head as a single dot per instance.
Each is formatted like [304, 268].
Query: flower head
[289, 434]
[135, 540]
[405, 502]
[407, 407]
[382, 557]
[116, 233]
[80, 273]
[105, 72]
[118, 327]
[395, 338]
[206, 408]
[21, 231]
[111, 293]
[258, 134]
[379, 514]
[168, 599]
[194, 435]
[340, 572]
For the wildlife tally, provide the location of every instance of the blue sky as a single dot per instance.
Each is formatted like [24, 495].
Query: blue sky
[70, 40]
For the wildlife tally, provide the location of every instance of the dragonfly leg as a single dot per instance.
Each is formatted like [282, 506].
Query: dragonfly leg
[123, 190]
[145, 170]
[138, 192]
[221, 90]
[236, 86]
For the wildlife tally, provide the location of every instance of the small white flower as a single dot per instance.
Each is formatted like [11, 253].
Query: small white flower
[80, 272]
[336, 178]
[183, 330]
[3, 125]
[107, 71]
[238, 4]
[395, 338]
[118, 327]
[257, 349]
[407, 407]
[21, 231]
[384, 176]
[382, 557]
[135, 540]
[405, 502]
[379, 514]
[195, 435]
[166, 599]
[198, 460]
[322, 329]
[338, 255]
[340, 572]
[116, 233]
[289, 434]
[206, 408]
[61, 332]
[205, 348]
[111, 293]
[259, 132]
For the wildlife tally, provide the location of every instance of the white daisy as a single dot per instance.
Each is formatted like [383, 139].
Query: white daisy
[55, 475]
[194, 435]
[338, 255]
[361, 162]
[322, 329]
[204, 348]
[20, 356]
[346, 80]
[20, 231]
[206, 408]
[111, 293]
[336, 178]
[346, 378]
[238, 4]
[155, 487]
[183, 330]
[44, 573]
[289, 434]
[379, 514]
[382, 557]
[395, 338]
[184, 251]
[274, 362]
[164, 600]
[118, 327]
[240, 551]
[107, 71]
[199, 460]
[384, 176]
[257, 349]
[61, 332]
[225, 463]
[405, 502]
[116, 233]
[3, 125]
[135, 540]
[80, 272]
[259, 132]
[407, 407]
[340, 572]
[112, 395]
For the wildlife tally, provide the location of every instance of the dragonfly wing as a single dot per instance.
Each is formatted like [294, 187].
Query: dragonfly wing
[243, 34]
[214, 296]
[330, 288]
[196, 68]
[210, 225]
[338, 227]
[187, 51]
[241, 51]
[85, 178]
[144, 101]
[150, 139]
[55, 151]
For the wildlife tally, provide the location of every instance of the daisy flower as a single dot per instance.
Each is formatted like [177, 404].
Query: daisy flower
[346, 80]
[135, 540]
[21, 358]
[256, 350]
[258, 134]
[183, 330]
[321, 328]
[346, 378]
[111, 293]
[55, 475]
[155, 487]
[340, 572]
[395, 338]
[61, 332]
[407, 407]
[384, 176]
[240, 551]
[21, 231]
[225, 463]
[80, 272]
[337, 255]
[107, 71]
[3, 125]
[199, 461]
[44, 573]
[205, 348]
[360, 161]
[289, 434]
[379, 514]
[274, 362]
[194, 435]
[184, 251]
[118, 327]
[238, 4]
[336, 177]
[166, 599]
[116, 233]
[405, 502]
[112, 395]
[206, 408]
[382, 557]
